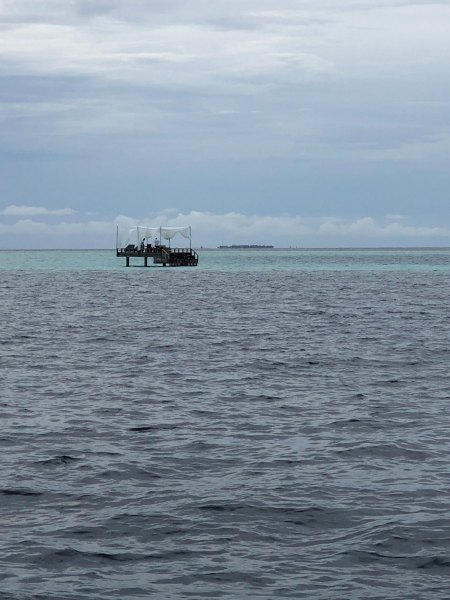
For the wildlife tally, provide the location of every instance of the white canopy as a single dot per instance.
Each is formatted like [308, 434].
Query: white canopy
[134, 235]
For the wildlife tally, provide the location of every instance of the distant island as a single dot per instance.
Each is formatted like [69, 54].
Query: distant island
[245, 246]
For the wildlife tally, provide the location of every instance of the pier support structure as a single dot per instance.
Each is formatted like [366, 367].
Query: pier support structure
[162, 255]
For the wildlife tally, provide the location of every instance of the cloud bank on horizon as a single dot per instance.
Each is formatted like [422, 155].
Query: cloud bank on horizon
[211, 230]
[288, 109]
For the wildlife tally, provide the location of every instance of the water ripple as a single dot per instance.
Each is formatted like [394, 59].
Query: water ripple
[177, 434]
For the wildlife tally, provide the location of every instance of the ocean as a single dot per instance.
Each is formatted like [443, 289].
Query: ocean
[269, 424]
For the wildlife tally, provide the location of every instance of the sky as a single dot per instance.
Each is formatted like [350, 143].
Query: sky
[286, 122]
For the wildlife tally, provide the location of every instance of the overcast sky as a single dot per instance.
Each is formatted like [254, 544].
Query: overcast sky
[291, 122]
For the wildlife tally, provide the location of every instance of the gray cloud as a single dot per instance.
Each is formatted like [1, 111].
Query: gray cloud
[14, 210]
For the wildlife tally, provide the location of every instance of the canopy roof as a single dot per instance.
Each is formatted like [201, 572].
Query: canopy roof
[134, 235]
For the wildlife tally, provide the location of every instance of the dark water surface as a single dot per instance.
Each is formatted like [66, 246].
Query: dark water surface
[208, 433]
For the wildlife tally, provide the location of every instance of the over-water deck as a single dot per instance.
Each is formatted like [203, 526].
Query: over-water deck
[160, 255]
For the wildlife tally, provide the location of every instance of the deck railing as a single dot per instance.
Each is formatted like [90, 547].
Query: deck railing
[184, 251]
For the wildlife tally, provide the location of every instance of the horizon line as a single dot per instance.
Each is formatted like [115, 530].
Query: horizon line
[274, 248]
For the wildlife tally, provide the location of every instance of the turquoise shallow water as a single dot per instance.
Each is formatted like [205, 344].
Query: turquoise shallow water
[417, 260]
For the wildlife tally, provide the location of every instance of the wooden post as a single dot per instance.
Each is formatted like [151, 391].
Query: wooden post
[128, 261]
[145, 261]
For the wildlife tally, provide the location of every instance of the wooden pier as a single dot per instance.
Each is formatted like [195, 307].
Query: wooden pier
[160, 255]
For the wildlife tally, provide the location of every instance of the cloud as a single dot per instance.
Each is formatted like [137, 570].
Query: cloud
[14, 210]
[230, 105]
[308, 78]
[367, 227]
[212, 229]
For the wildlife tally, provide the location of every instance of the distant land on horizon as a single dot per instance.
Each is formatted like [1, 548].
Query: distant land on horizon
[246, 246]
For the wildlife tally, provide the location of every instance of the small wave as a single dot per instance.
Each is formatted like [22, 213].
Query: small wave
[72, 555]
[383, 451]
[161, 427]
[223, 577]
[56, 558]
[222, 507]
[63, 459]
[19, 492]
[436, 562]
[370, 556]
[310, 516]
